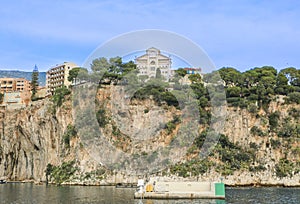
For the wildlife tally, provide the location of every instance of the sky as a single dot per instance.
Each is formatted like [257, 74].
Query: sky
[234, 33]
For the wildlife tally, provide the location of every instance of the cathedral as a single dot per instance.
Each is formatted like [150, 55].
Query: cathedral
[149, 63]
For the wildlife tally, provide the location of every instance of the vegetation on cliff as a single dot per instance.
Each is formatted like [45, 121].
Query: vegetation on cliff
[260, 85]
[59, 95]
[69, 134]
[252, 90]
[61, 173]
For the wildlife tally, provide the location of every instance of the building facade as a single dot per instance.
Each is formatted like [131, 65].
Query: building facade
[16, 92]
[15, 100]
[14, 85]
[57, 76]
[149, 63]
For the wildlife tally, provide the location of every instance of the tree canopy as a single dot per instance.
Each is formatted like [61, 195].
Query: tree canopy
[110, 70]
[255, 86]
[260, 84]
[77, 72]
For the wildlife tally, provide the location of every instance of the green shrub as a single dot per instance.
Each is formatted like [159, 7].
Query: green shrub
[96, 174]
[296, 151]
[273, 120]
[63, 172]
[199, 141]
[224, 142]
[1, 97]
[234, 91]
[116, 131]
[69, 133]
[260, 167]
[252, 97]
[293, 97]
[59, 95]
[257, 131]
[284, 168]
[205, 116]
[243, 103]
[203, 102]
[193, 167]
[224, 169]
[252, 108]
[275, 143]
[295, 113]
[101, 117]
[170, 126]
[234, 101]
[169, 98]
[48, 171]
[289, 129]
[158, 93]
[234, 156]
[253, 145]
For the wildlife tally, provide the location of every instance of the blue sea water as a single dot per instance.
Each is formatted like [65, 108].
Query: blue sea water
[31, 193]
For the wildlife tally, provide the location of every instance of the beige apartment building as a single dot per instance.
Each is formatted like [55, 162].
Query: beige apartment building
[14, 85]
[148, 63]
[57, 76]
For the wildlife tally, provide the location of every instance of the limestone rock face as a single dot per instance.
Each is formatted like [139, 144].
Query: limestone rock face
[32, 137]
[141, 120]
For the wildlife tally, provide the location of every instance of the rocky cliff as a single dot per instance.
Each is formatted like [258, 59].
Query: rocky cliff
[43, 139]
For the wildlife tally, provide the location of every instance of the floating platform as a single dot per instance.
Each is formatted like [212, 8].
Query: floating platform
[181, 190]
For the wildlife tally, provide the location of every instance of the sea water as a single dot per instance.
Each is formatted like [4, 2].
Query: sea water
[31, 193]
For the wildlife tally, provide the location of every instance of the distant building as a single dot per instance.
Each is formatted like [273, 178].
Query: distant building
[17, 92]
[192, 70]
[14, 84]
[148, 63]
[57, 76]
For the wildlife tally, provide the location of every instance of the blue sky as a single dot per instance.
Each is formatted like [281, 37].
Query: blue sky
[238, 33]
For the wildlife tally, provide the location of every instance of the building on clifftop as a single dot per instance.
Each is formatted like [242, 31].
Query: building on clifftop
[57, 76]
[149, 63]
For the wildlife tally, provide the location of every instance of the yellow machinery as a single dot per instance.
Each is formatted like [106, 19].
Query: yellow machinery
[149, 188]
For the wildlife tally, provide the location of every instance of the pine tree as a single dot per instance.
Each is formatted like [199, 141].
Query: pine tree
[34, 81]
